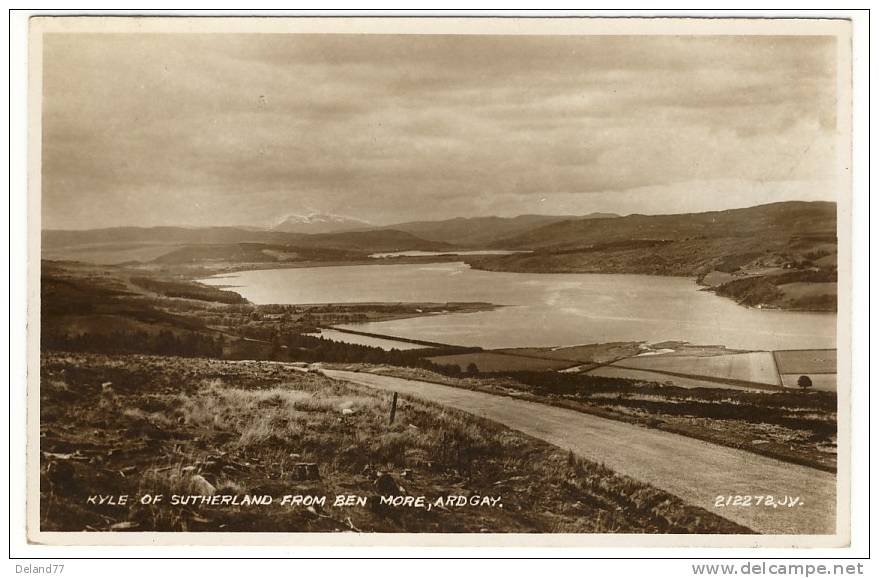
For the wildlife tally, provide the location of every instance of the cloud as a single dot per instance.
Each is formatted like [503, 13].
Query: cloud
[235, 129]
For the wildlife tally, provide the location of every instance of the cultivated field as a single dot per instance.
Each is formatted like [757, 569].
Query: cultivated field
[614, 371]
[591, 353]
[818, 364]
[820, 381]
[806, 361]
[756, 366]
[574, 358]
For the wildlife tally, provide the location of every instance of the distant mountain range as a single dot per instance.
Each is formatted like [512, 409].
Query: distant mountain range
[478, 232]
[130, 237]
[460, 231]
[331, 231]
[739, 242]
[319, 223]
[772, 221]
[756, 241]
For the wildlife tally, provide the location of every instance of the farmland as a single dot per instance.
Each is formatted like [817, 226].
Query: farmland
[616, 371]
[690, 366]
[818, 364]
[590, 353]
[820, 381]
[674, 363]
[755, 367]
[806, 361]
[577, 357]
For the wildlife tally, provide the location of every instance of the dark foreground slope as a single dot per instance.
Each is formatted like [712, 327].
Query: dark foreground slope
[135, 425]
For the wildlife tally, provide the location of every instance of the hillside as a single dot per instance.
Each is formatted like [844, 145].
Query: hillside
[252, 253]
[781, 255]
[57, 239]
[336, 247]
[476, 232]
[371, 241]
[773, 221]
[186, 245]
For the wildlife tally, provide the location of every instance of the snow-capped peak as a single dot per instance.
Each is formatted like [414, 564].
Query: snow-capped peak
[315, 222]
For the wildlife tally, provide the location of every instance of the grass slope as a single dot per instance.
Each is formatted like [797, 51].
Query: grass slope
[136, 424]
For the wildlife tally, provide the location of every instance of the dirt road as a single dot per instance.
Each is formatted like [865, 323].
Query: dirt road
[695, 471]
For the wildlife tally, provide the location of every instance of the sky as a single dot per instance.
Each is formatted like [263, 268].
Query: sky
[244, 129]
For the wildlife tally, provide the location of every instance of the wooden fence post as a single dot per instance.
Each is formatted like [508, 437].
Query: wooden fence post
[393, 408]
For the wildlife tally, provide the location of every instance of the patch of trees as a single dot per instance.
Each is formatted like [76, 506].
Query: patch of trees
[817, 302]
[621, 245]
[810, 276]
[278, 347]
[188, 290]
[732, 263]
[165, 342]
[298, 347]
[61, 296]
[751, 291]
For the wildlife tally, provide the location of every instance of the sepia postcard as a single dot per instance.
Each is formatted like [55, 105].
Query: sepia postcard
[439, 281]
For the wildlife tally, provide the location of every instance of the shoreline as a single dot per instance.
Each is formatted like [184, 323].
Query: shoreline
[411, 310]
[410, 260]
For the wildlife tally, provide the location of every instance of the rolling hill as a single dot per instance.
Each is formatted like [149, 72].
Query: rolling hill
[782, 255]
[776, 255]
[773, 221]
[182, 244]
[371, 241]
[477, 232]
[53, 239]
